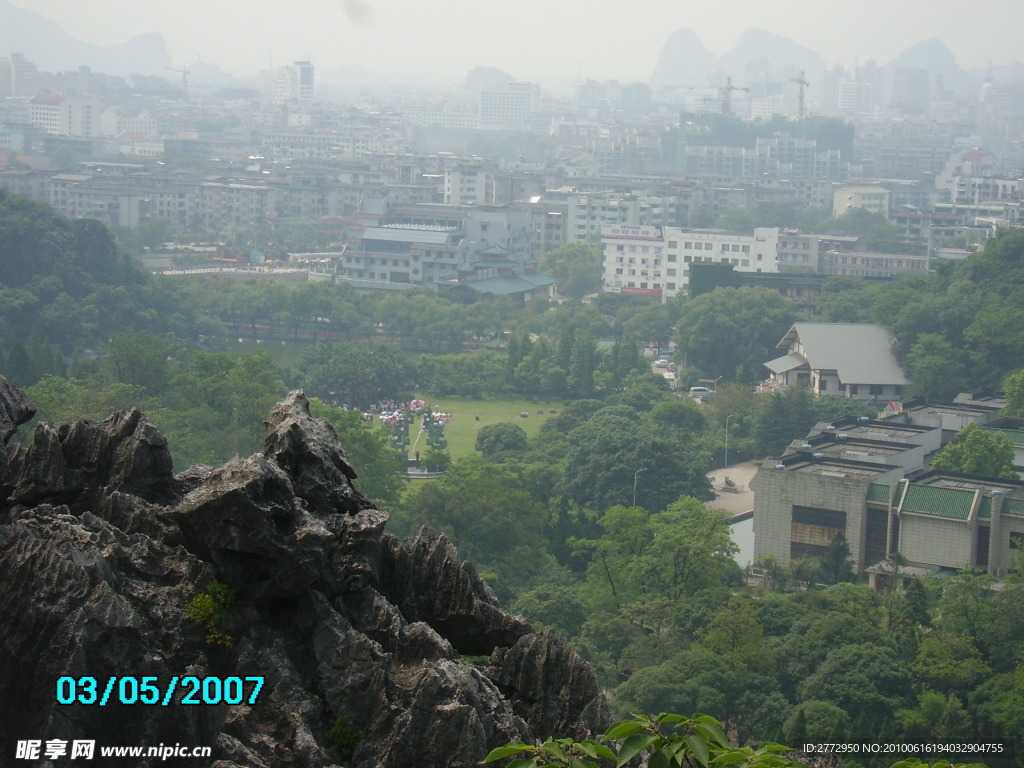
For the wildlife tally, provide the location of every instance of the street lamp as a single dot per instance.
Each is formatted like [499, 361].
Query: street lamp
[715, 385]
[635, 476]
[731, 415]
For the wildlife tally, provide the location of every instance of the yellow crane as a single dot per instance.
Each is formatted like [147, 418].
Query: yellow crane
[727, 95]
[802, 82]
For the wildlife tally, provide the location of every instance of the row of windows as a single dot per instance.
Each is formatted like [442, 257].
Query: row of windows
[655, 286]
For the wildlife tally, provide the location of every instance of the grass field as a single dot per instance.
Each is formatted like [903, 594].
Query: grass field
[461, 431]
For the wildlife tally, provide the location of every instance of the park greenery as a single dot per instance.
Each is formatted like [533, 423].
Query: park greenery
[599, 522]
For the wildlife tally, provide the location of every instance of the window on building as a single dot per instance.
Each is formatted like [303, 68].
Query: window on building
[620, 248]
[672, 258]
[725, 247]
[672, 244]
[735, 249]
[686, 259]
[618, 271]
[876, 389]
[670, 286]
[822, 385]
[708, 246]
[670, 272]
[745, 262]
[853, 389]
[687, 245]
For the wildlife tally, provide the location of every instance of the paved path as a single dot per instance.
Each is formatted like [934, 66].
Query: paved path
[741, 474]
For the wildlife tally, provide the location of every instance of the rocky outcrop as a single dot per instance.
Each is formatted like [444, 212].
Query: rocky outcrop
[103, 549]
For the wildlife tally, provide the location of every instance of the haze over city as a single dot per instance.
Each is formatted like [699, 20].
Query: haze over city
[531, 39]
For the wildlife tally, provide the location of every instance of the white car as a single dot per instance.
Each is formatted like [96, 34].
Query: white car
[663, 363]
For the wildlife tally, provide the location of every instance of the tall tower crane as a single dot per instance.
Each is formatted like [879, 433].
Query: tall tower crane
[727, 95]
[802, 82]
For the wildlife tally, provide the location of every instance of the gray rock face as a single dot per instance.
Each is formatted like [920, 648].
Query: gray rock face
[102, 550]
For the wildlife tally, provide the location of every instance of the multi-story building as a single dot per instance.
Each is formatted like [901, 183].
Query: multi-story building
[782, 157]
[804, 251]
[589, 213]
[18, 77]
[655, 261]
[873, 199]
[73, 116]
[509, 108]
[227, 205]
[466, 184]
[842, 262]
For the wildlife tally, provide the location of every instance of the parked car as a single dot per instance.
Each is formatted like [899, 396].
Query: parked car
[663, 363]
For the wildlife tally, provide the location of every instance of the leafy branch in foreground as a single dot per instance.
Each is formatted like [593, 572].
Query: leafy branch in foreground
[670, 740]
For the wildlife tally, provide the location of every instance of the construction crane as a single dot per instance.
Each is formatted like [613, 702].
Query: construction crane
[727, 95]
[803, 84]
[184, 78]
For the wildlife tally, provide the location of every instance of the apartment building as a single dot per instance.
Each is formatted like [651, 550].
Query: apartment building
[466, 184]
[509, 108]
[873, 199]
[73, 116]
[589, 213]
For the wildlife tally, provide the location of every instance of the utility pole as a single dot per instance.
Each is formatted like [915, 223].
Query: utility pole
[731, 415]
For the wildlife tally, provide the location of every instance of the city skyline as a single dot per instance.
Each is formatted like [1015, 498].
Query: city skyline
[529, 40]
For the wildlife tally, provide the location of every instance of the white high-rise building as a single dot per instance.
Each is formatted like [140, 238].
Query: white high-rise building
[509, 108]
[66, 115]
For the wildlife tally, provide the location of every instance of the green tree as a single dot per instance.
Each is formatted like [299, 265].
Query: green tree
[576, 266]
[607, 451]
[860, 679]
[978, 452]
[730, 329]
[736, 635]
[499, 441]
[816, 721]
[1014, 389]
[553, 606]
[835, 564]
[950, 663]
[358, 373]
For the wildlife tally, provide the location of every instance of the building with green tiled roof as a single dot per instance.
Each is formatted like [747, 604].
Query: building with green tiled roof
[867, 480]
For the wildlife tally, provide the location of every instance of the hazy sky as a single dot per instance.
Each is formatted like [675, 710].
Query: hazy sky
[532, 39]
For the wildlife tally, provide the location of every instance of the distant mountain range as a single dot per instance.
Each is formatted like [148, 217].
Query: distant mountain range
[45, 43]
[761, 55]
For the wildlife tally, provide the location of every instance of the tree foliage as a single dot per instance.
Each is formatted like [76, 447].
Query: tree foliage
[978, 452]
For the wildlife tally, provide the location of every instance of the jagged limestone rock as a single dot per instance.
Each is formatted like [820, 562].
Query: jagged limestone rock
[102, 550]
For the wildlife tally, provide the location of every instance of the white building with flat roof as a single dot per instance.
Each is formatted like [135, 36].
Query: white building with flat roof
[655, 261]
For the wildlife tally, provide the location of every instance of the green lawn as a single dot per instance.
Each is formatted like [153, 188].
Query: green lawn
[461, 430]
